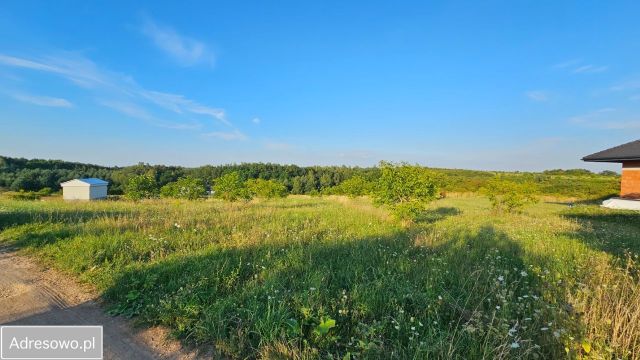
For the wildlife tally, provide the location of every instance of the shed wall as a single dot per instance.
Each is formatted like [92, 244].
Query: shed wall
[84, 192]
[98, 192]
[76, 193]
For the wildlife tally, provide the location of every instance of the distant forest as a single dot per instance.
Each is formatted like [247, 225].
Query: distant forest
[34, 174]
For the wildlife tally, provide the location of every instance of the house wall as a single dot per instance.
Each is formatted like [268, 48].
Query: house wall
[75, 193]
[630, 183]
[98, 192]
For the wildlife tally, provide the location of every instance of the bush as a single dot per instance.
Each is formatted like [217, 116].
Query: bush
[405, 189]
[508, 196]
[45, 191]
[352, 187]
[141, 187]
[22, 195]
[230, 187]
[266, 188]
[185, 188]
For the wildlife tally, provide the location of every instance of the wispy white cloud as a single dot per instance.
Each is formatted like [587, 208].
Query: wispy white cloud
[180, 104]
[185, 50]
[228, 135]
[126, 108]
[43, 100]
[134, 111]
[590, 69]
[256, 120]
[621, 125]
[577, 66]
[107, 84]
[590, 116]
[628, 85]
[538, 95]
[608, 119]
[71, 66]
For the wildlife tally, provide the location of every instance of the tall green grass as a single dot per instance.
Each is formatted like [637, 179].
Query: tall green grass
[335, 277]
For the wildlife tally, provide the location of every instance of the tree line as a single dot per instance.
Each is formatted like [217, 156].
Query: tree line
[33, 175]
[17, 174]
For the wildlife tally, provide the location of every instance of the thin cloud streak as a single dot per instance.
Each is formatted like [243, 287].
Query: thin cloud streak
[134, 111]
[537, 95]
[86, 74]
[185, 50]
[180, 104]
[228, 136]
[43, 100]
[606, 119]
[590, 116]
[577, 66]
[566, 64]
[590, 69]
[626, 85]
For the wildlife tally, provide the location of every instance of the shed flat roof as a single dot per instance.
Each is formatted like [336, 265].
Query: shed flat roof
[625, 152]
[87, 181]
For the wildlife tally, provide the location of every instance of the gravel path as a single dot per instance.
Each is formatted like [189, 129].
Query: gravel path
[31, 295]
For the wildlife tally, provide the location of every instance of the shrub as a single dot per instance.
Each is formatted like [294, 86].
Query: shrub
[185, 188]
[230, 187]
[266, 188]
[405, 189]
[352, 187]
[22, 195]
[141, 187]
[609, 173]
[509, 196]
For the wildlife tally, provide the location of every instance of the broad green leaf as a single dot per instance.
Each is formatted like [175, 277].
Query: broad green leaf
[325, 325]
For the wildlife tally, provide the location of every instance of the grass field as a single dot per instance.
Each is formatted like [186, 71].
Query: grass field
[334, 277]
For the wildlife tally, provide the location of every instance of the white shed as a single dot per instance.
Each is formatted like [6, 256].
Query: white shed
[84, 189]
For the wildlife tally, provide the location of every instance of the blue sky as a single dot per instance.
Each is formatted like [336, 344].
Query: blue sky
[504, 85]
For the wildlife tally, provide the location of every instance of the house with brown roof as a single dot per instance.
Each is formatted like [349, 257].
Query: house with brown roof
[629, 156]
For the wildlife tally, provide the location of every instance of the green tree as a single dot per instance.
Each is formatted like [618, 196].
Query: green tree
[509, 196]
[326, 181]
[405, 189]
[297, 186]
[266, 188]
[310, 183]
[184, 188]
[141, 187]
[230, 187]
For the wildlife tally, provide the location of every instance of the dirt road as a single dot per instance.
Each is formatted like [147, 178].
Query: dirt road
[31, 295]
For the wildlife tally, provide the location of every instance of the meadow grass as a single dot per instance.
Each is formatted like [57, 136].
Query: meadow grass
[333, 277]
